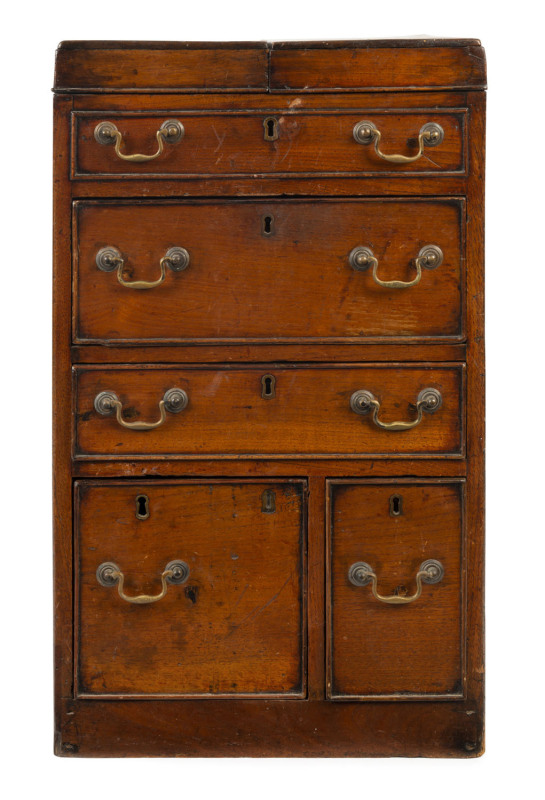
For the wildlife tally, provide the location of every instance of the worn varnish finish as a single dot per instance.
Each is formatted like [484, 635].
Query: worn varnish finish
[318, 667]
[233, 144]
[235, 627]
[381, 651]
[292, 258]
[310, 414]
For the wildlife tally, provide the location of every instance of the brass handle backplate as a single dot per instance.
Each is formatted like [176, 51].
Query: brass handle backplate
[108, 574]
[430, 571]
[109, 258]
[171, 131]
[429, 257]
[174, 401]
[430, 135]
[363, 401]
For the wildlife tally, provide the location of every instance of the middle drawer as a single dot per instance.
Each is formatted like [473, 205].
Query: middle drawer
[269, 410]
[326, 270]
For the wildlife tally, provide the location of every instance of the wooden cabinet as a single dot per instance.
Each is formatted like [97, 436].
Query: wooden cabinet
[268, 398]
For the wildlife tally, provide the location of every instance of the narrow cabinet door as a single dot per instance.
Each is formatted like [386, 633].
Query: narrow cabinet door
[395, 628]
[190, 589]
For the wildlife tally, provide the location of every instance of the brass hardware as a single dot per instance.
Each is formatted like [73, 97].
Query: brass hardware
[142, 506]
[429, 257]
[268, 501]
[268, 387]
[174, 401]
[363, 401]
[396, 505]
[171, 131]
[108, 258]
[270, 129]
[430, 135]
[267, 225]
[176, 572]
[430, 571]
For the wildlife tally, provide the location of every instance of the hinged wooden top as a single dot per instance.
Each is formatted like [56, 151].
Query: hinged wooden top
[363, 65]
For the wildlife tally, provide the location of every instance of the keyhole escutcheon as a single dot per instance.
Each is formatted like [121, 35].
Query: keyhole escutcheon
[142, 506]
[268, 387]
[270, 129]
[267, 225]
[396, 505]
[268, 501]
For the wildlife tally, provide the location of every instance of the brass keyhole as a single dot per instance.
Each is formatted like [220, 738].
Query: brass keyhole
[142, 506]
[267, 225]
[268, 387]
[268, 501]
[270, 127]
[396, 505]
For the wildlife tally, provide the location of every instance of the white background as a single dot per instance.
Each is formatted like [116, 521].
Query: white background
[515, 236]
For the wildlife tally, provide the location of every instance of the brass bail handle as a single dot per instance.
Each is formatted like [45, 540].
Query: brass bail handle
[363, 402]
[108, 574]
[430, 571]
[109, 258]
[171, 131]
[429, 257]
[431, 135]
[174, 401]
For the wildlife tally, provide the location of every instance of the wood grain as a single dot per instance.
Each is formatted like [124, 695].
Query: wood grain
[62, 422]
[382, 68]
[232, 143]
[230, 442]
[366, 64]
[103, 68]
[290, 276]
[391, 652]
[310, 414]
[273, 728]
[236, 627]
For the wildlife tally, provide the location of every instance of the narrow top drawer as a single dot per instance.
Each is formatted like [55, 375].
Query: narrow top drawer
[232, 143]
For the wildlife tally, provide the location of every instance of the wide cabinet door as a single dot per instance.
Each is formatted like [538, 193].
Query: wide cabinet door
[187, 588]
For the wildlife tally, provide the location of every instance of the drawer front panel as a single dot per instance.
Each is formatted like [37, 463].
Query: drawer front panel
[269, 270]
[269, 411]
[276, 143]
[232, 624]
[380, 649]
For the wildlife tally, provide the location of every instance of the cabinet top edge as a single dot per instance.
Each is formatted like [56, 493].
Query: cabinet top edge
[354, 65]
[405, 41]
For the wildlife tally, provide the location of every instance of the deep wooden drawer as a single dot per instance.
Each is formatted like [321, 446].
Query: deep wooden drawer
[306, 410]
[231, 623]
[378, 649]
[234, 143]
[268, 270]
